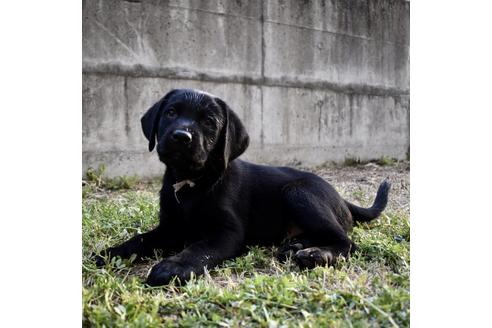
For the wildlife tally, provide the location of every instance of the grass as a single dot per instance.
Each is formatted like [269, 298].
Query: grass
[371, 288]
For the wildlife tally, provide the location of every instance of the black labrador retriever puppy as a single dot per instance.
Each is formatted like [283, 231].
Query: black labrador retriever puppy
[213, 205]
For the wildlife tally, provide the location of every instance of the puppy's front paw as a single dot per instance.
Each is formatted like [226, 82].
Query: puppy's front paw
[163, 272]
[98, 259]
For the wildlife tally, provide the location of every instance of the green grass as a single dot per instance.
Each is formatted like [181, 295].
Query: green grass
[369, 289]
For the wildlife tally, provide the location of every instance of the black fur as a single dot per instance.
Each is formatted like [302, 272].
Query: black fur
[233, 203]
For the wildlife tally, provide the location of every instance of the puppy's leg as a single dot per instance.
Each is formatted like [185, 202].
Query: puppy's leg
[142, 245]
[325, 238]
[220, 247]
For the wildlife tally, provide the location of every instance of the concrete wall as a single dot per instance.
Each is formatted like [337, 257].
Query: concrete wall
[313, 80]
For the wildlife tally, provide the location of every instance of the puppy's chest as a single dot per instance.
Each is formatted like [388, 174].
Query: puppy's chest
[191, 209]
[195, 213]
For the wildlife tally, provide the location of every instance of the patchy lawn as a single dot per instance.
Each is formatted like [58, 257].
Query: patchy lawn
[371, 288]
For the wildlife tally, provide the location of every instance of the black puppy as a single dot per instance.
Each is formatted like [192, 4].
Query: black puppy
[213, 205]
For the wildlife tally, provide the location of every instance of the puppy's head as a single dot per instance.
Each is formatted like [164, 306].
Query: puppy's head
[194, 129]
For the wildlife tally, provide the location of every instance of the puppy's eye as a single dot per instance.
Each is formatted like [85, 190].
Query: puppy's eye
[171, 113]
[209, 122]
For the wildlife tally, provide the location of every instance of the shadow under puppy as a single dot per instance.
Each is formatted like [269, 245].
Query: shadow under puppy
[213, 205]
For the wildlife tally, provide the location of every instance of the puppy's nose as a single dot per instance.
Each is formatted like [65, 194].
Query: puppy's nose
[181, 136]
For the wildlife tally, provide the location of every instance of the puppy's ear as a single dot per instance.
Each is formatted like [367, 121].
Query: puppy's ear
[234, 138]
[150, 121]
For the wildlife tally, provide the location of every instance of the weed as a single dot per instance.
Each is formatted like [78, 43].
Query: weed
[382, 161]
[351, 161]
[121, 182]
[96, 177]
[386, 160]
[95, 180]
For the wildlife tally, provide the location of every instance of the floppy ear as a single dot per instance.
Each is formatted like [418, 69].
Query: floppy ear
[234, 138]
[150, 121]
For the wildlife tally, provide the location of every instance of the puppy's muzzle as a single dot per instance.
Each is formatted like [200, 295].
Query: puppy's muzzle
[181, 136]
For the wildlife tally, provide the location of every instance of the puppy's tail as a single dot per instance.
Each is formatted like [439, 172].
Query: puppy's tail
[360, 214]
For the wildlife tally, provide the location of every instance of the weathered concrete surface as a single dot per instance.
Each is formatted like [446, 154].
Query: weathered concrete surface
[314, 81]
[171, 34]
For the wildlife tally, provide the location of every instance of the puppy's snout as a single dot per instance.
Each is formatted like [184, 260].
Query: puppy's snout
[181, 136]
